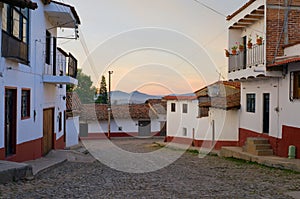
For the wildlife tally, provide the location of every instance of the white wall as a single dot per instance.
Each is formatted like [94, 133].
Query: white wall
[72, 128]
[289, 110]
[254, 121]
[128, 126]
[177, 120]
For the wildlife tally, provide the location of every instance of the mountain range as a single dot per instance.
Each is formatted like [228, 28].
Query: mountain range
[135, 97]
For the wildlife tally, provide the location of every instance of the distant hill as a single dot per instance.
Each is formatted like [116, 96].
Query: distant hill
[135, 97]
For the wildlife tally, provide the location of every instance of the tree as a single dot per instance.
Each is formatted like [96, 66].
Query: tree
[102, 98]
[84, 89]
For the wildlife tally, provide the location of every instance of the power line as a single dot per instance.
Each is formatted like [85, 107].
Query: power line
[210, 8]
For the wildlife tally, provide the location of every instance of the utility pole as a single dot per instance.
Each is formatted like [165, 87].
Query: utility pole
[109, 102]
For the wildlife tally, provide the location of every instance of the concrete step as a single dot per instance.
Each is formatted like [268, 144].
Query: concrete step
[14, 171]
[257, 140]
[262, 146]
[264, 152]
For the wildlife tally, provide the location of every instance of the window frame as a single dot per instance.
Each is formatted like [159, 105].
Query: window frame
[173, 107]
[23, 15]
[250, 102]
[295, 85]
[184, 108]
[28, 103]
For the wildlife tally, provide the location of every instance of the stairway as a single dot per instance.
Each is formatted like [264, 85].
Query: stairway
[258, 146]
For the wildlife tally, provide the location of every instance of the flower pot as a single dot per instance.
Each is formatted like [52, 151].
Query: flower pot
[241, 48]
[249, 45]
[259, 41]
[233, 51]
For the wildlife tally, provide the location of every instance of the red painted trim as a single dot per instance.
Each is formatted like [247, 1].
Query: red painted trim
[92, 136]
[290, 136]
[201, 143]
[60, 143]
[25, 151]
[2, 154]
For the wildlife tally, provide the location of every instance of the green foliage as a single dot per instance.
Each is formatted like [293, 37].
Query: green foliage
[102, 99]
[84, 89]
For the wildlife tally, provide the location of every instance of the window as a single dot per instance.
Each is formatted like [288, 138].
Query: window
[250, 102]
[203, 111]
[184, 131]
[295, 85]
[184, 108]
[25, 104]
[173, 107]
[120, 128]
[60, 121]
[15, 22]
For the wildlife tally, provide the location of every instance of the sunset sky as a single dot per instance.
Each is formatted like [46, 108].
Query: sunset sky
[154, 46]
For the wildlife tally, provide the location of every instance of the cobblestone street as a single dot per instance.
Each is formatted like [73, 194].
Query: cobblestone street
[188, 177]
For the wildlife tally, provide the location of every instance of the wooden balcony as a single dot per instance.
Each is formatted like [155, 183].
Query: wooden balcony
[13, 48]
[247, 58]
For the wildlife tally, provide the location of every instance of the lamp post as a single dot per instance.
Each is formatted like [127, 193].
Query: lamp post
[109, 102]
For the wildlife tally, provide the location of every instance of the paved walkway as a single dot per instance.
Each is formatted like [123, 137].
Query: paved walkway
[187, 177]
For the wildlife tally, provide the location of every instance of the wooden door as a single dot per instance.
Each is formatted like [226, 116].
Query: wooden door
[266, 112]
[48, 130]
[144, 128]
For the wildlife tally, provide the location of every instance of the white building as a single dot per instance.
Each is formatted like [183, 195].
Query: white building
[126, 120]
[268, 72]
[209, 119]
[33, 78]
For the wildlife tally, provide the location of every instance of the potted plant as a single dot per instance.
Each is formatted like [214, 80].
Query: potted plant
[227, 54]
[233, 50]
[241, 47]
[249, 43]
[259, 40]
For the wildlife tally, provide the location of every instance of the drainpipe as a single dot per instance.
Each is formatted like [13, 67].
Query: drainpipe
[277, 109]
[286, 19]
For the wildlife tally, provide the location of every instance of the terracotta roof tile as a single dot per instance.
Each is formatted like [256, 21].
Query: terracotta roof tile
[133, 111]
[158, 105]
[73, 102]
[240, 9]
[285, 61]
[226, 97]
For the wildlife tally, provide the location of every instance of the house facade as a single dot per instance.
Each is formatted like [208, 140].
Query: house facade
[126, 121]
[34, 73]
[268, 71]
[209, 120]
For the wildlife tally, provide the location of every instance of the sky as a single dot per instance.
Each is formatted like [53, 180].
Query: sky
[154, 46]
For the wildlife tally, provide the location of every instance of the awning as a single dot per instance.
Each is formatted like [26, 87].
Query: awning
[285, 61]
[21, 3]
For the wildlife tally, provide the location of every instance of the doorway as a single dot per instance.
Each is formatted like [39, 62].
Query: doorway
[48, 130]
[10, 121]
[144, 128]
[266, 112]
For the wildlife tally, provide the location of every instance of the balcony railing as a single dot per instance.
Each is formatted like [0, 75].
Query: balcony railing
[247, 58]
[13, 48]
[64, 65]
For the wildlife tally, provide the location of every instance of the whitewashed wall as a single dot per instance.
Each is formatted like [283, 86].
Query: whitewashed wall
[128, 126]
[289, 110]
[72, 128]
[177, 120]
[254, 121]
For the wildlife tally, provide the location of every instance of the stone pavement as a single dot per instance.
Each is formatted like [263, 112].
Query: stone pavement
[13, 171]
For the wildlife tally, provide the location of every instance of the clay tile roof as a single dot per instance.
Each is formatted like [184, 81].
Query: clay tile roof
[21, 3]
[285, 61]
[158, 105]
[240, 9]
[173, 97]
[227, 97]
[73, 102]
[133, 111]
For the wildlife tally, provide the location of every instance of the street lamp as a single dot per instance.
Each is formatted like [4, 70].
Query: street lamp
[109, 102]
